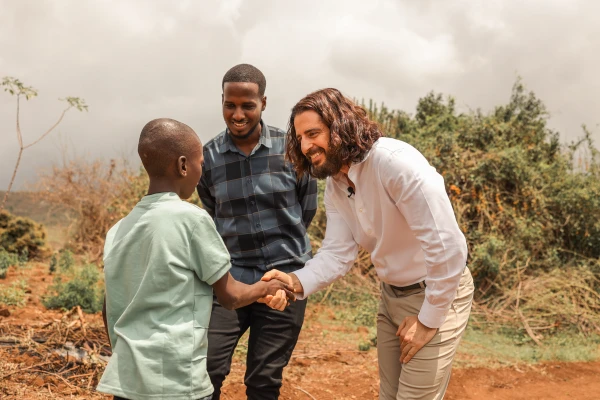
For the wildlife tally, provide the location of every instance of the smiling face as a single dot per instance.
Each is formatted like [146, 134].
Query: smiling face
[242, 108]
[314, 139]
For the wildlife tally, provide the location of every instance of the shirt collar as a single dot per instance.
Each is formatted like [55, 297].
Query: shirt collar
[340, 178]
[264, 139]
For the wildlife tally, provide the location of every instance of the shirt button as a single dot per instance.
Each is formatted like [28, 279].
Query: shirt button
[252, 202]
[360, 210]
[258, 225]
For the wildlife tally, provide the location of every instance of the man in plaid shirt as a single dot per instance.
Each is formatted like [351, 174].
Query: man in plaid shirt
[262, 212]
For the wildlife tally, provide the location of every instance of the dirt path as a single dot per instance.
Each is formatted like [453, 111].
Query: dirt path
[579, 381]
[326, 363]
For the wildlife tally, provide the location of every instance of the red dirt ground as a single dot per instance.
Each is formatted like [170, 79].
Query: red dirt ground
[326, 363]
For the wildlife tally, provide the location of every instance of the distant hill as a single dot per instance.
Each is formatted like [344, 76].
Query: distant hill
[32, 205]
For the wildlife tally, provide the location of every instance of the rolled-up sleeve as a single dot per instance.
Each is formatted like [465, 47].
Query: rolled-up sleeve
[336, 256]
[421, 197]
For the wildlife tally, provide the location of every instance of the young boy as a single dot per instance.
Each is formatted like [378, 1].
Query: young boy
[159, 265]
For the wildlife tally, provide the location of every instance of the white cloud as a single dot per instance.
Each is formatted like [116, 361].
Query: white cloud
[137, 60]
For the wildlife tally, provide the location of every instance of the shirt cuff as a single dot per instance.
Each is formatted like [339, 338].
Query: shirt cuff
[431, 316]
[309, 282]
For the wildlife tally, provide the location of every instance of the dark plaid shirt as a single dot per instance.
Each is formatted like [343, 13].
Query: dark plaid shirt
[259, 207]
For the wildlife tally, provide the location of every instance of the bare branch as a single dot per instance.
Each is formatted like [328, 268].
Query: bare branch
[16, 88]
[19, 135]
[12, 179]
[51, 128]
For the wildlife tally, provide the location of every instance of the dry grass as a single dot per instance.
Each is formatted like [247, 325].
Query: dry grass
[34, 352]
[96, 195]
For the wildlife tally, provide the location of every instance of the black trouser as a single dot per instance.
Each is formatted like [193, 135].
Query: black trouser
[273, 335]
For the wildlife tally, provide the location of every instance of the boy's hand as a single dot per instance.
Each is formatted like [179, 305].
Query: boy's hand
[290, 279]
[279, 294]
[275, 286]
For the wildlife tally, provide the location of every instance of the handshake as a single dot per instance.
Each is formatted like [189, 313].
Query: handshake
[282, 297]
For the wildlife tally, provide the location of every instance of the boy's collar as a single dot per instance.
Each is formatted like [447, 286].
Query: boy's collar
[162, 196]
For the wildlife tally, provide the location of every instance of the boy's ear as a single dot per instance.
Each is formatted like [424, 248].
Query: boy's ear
[264, 103]
[182, 166]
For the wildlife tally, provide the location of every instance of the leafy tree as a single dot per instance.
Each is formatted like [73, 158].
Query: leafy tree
[16, 88]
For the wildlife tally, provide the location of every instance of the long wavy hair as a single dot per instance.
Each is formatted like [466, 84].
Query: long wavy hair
[352, 132]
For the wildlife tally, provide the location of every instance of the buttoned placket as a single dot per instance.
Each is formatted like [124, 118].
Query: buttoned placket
[250, 195]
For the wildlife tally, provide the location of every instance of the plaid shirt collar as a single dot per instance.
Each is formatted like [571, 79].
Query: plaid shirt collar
[264, 139]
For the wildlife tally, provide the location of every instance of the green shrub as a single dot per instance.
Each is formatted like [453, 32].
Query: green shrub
[80, 288]
[528, 206]
[13, 295]
[6, 260]
[65, 261]
[53, 264]
[24, 256]
[23, 236]
[358, 299]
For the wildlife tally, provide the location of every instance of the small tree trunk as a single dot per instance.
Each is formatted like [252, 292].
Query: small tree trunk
[12, 180]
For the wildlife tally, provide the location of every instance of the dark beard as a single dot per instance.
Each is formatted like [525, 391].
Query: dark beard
[331, 166]
[247, 135]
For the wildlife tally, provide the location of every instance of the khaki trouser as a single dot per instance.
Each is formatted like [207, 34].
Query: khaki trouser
[427, 374]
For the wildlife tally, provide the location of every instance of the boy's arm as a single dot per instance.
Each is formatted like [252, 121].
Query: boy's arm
[104, 319]
[232, 294]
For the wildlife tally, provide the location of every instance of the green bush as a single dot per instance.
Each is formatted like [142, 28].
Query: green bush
[53, 264]
[13, 295]
[79, 288]
[24, 257]
[528, 206]
[6, 260]
[65, 261]
[355, 298]
[23, 236]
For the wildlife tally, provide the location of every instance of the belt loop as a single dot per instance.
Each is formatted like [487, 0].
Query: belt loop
[422, 284]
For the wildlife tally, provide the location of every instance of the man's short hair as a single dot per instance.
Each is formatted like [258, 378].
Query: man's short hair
[246, 73]
[162, 142]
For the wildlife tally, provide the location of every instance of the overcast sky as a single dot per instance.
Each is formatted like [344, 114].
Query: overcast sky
[133, 61]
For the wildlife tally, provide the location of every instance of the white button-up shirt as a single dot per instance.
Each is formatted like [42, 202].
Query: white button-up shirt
[402, 215]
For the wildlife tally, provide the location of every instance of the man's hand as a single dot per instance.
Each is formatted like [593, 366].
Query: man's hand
[279, 293]
[413, 336]
[276, 274]
[278, 302]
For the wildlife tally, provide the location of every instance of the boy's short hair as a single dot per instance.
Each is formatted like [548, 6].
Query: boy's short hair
[246, 73]
[162, 142]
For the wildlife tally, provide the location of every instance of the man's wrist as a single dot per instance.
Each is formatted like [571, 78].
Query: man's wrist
[423, 325]
[296, 284]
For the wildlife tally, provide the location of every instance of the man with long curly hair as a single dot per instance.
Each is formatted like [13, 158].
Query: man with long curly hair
[384, 196]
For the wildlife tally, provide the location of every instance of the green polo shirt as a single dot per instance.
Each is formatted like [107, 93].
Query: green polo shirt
[159, 264]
